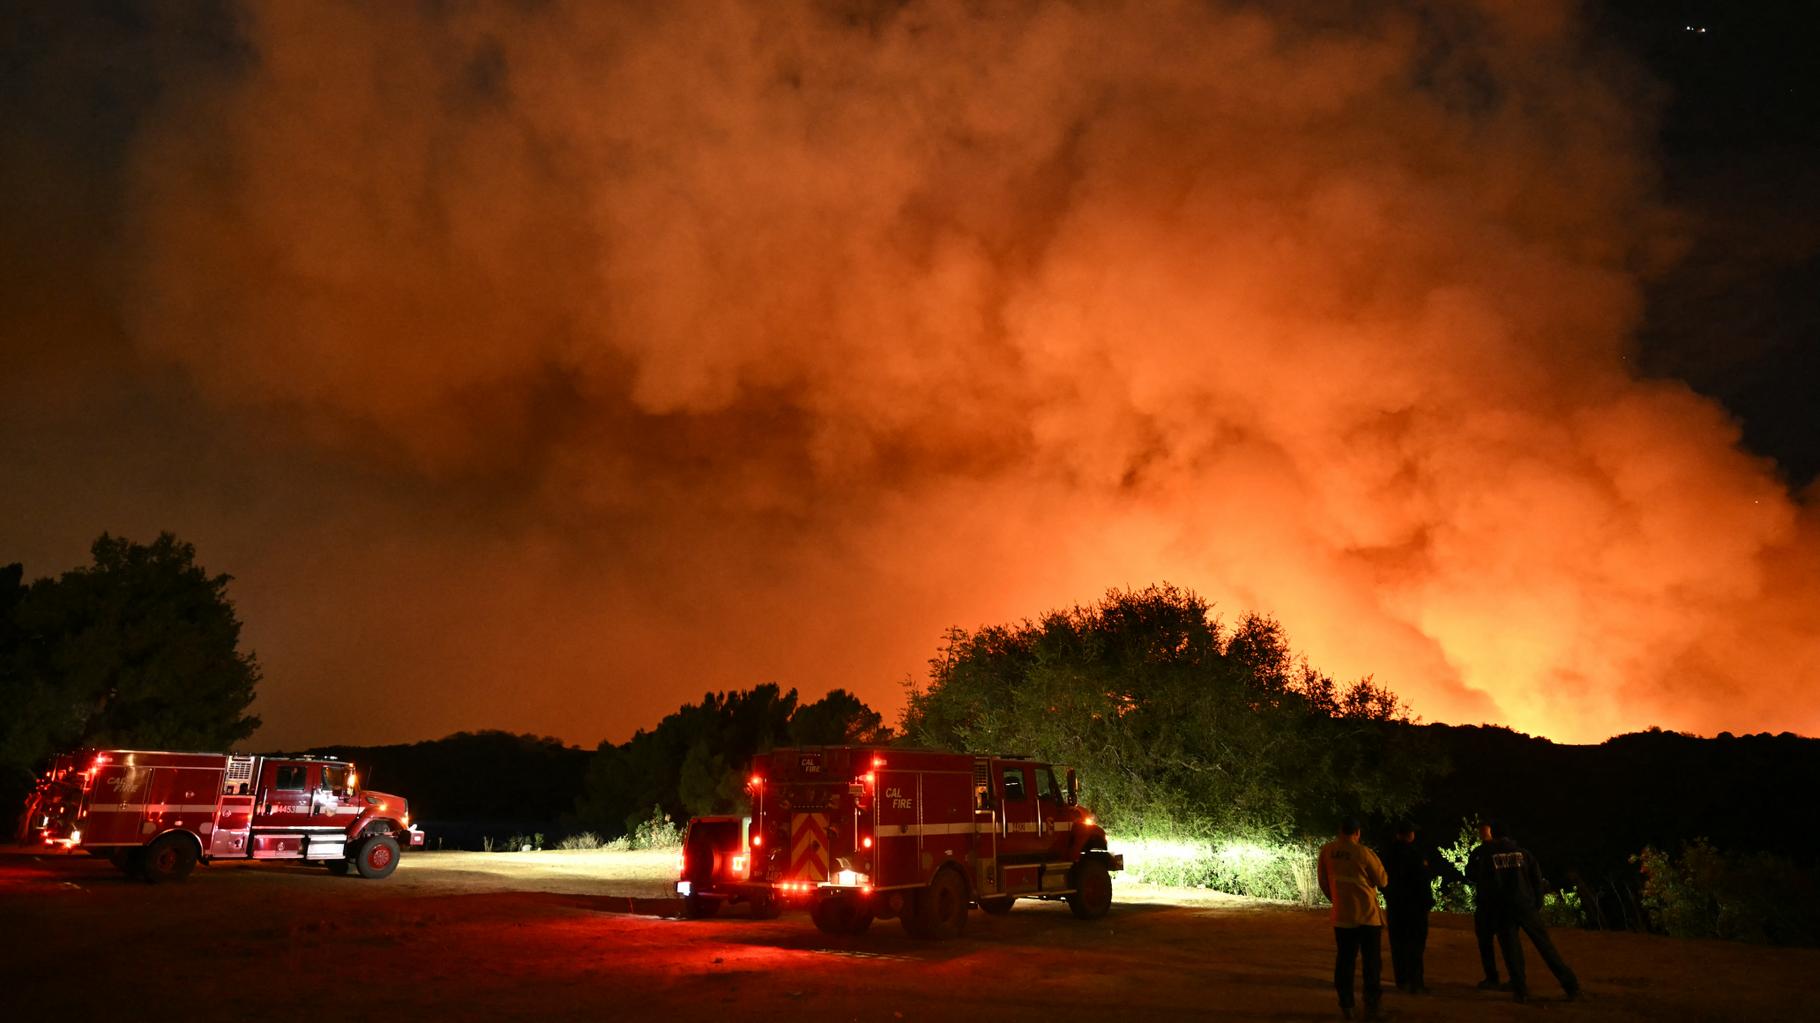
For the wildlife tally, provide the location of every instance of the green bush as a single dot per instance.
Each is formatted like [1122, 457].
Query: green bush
[581, 841]
[1562, 909]
[1257, 865]
[658, 832]
[1707, 893]
[1454, 896]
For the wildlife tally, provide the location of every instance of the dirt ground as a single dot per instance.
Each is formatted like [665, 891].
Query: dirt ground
[472, 936]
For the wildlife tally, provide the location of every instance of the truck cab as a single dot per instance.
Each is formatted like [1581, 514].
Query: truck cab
[314, 808]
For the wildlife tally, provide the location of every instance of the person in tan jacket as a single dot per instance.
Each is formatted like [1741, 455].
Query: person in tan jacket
[1350, 877]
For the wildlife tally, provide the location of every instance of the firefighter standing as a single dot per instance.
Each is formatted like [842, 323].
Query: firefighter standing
[1517, 895]
[1350, 877]
[1407, 900]
[1484, 925]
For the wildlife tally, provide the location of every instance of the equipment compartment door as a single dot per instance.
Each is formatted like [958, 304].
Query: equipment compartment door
[897, 808]
[116, 804]
[232, 823]
[184, 798]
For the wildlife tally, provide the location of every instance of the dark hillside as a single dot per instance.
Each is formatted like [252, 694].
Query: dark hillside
[1588, 809]
[474, 783]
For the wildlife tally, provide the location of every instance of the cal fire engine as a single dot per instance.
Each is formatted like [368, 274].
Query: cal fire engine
[156, 815]
[869, 832]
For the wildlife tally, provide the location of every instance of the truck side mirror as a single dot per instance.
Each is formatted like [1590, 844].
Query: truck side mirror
[1074, 789]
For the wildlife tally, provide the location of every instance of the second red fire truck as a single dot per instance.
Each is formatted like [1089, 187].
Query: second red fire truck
[157, 814]
[859, 833]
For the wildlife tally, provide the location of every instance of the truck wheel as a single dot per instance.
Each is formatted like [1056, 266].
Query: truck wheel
[338, 867]
[999, 906]
[130, 862]
[377, 858]
[699, 907]
[913, 917]
[1092, 889]
[840, 916]
[765, 907]
[171, 858]
[942, 906]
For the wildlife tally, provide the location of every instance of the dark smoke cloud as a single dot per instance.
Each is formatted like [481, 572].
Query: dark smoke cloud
[548, 364]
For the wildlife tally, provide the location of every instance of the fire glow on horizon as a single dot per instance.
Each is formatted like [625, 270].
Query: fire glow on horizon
[764, 342]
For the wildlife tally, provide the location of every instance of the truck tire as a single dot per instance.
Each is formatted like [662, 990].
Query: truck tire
[170, 858]
[765, 907]
[913, 917]
[999, 906]
[1092, 889]
[339, 868]
[699, 907]
[377, 858]
[840, 916]
[942, 907]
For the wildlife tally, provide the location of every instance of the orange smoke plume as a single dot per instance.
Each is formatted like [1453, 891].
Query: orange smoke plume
[736, 342]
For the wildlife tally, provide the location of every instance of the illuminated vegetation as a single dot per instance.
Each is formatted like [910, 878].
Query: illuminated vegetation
[1182, 728]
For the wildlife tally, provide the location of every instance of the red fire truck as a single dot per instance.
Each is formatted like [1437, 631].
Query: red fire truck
[156, 815]
[870, 832]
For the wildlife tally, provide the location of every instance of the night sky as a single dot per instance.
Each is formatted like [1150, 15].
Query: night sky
[541, 366]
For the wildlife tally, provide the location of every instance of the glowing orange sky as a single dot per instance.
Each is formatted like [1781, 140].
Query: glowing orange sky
[547, 368]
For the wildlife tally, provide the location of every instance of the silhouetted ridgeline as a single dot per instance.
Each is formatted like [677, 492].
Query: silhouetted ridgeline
[476, 783]
[1590, 808]
[1584, 810]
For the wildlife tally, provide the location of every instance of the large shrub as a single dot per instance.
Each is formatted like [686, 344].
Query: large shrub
[1707, 893]
[1177, 722]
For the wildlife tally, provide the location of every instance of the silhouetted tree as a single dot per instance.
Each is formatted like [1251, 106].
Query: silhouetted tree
[839, 718]
[695, 760]
[141, 648]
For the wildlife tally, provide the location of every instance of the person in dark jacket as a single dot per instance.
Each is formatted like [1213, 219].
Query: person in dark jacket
[1484, 925]
[1517, 899]
[1407, 900]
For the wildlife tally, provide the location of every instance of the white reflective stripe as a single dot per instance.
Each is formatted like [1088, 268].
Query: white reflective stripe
[153, 808]
[903, 830]
[983, 827]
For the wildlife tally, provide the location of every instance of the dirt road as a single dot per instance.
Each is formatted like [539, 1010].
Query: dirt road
[470, 936]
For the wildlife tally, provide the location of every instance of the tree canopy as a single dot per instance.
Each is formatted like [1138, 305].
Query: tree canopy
[695, 760]
[1173, 718]
[140, 648]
